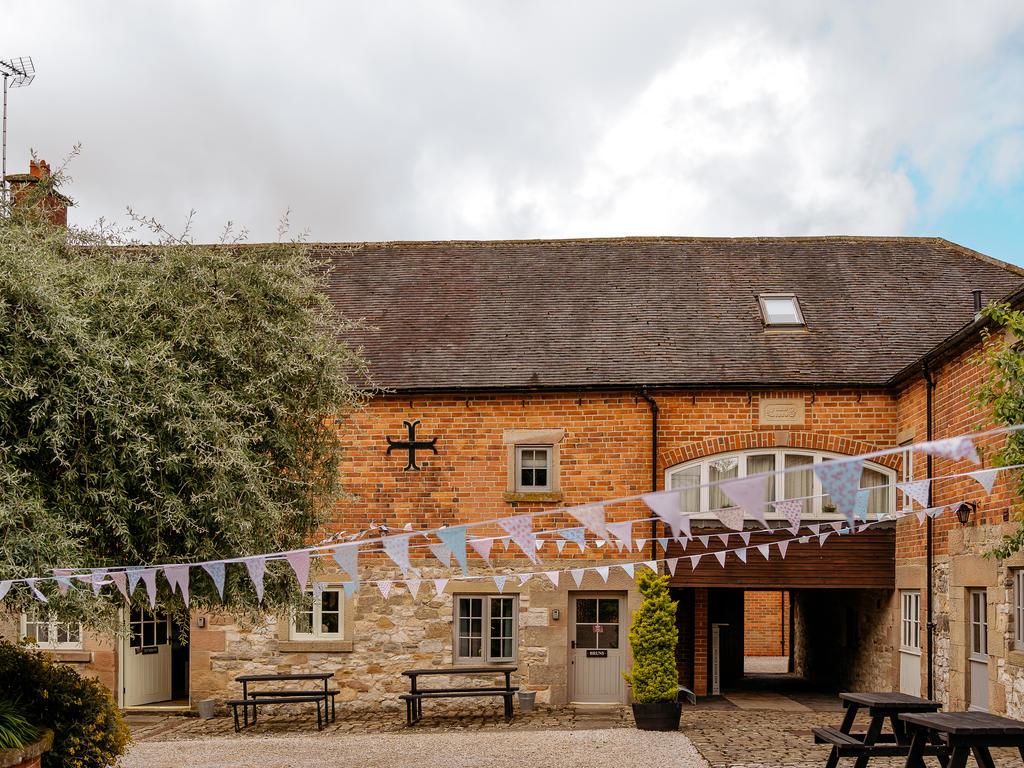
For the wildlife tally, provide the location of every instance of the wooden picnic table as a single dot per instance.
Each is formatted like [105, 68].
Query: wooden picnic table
[414, 699]
[881, 707]
[279, 696]
[963, 733]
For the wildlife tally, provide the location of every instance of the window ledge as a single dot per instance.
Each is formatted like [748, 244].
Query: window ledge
[68, 656]
[1015, 657]
[554, 496]
[315, 646]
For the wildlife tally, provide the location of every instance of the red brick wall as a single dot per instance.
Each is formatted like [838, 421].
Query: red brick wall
[765, 623]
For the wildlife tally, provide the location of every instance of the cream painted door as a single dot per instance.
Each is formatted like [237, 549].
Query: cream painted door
[146, 655]
[598, 652]
[977, 646]
[910, 642]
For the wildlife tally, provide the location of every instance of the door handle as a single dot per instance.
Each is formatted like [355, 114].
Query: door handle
[572, 645]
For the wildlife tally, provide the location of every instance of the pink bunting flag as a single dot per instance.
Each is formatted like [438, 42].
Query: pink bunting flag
[552, 577]
[121, 582]
[577, 576]
[257, 568]
[704, 540]
[720, 554]
[482, 547]
[148, 576]
[822, 537]
[35, 591]
[623, 532]
[385, 588]
[63, 579]
[177, 577]
[748, 493]
[741, 554]
[745, 535]
[836, 525]
[952, 448]
[681, 542]
[724, 538]
[986, 477]
[671, 564]
[763, 549]
[98, 582]
[439, 585]
[591, 517]
[397, 548]
[840, 479]
[694, 561]
[916, 490]
[413, 585]
[520, 528]
[792, 509]
[783, 546]
[731, 517]
[524, 577]
[442, 553]
[299, 561]
[815, 529]
[666, 505]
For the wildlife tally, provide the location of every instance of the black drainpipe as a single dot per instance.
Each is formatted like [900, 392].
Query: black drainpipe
[654, 463]
[930, 623]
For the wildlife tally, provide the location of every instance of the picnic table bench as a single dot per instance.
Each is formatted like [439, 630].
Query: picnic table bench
[963, 733]
[322, 698]
[881, 707]
[414, 699]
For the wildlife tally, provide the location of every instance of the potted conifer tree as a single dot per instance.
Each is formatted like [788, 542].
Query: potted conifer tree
[653, 637]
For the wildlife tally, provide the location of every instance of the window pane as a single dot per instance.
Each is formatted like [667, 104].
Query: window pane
[608, 611]
[780, 311]
[148, 633]
[586, 611]
[721, 469]
[304, 623]
[763, 462]
[799, 484]
[688, 479]
[330, 600]
[608, 637]
[585, 636]
[540, 478]
[161, 632]
[330, 623]
[878, 499]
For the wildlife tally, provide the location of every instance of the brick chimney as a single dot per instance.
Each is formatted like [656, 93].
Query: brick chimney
[25, 191]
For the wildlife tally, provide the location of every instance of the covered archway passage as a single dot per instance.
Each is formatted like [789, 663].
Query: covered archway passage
[836, 607]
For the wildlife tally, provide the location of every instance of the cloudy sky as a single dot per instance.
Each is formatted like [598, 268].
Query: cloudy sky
[533, 118]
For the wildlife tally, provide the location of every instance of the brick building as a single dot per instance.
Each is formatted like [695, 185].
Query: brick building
[555, 373]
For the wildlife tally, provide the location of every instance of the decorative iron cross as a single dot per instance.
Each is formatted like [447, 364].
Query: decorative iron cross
[412, 444]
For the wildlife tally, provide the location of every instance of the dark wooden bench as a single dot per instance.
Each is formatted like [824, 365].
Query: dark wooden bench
[255, 700]
[327, 695]
[962, 734]
[414, 699]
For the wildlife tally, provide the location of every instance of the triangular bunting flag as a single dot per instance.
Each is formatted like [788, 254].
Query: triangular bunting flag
[602, 571]
[134, 575]
[666, 505]
[499, 582]
[815, 529]
[628, 568]
[987, 477]
[763, 549]
[836, 525]
[822, 537]
[731, 517]
[741, 554]
[745, 535]
[682, 543]
[397, 548]
[936, 511]
[98, 581]
[350, 588]
[121, 582]
[639, 544]
[783, 546]
[299, 561]
[952, 448]
[442, 553]
[439, 585]
[623, 532]
[347, 558]
[860, 505]
[560, 545]
[792, 509]
[577, 536]
[840, 479]
[724, 538]
[720, 554]
[148, 576]
[217, 572]
[505, 541]
[385, 588]
[803, 540]
[916, 490]
[524, 577]
[538, 544]
[413, 585]
[520, 528]
[694, 561]
[257, 568]
[577, 575]
[663, 543]
[63, 578]
[652, 564]
[749, 494]
[35, 591]
[177, 577]
[553, 577]
[591, 517]
[5, 587]
[704, 540]
[454, 537]
[671, 564]
[482, 547]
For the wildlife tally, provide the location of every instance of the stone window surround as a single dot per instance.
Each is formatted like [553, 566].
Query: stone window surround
[344, 644]
[513, 438]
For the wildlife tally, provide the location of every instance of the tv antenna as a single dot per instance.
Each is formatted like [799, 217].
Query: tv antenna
[17, 73]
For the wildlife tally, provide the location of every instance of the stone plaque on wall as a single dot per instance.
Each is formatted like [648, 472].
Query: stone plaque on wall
[781, 410]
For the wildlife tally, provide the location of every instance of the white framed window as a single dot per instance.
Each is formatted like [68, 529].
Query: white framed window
[321, 615]
[780, 310]
[978, 629]
[798, 483]
[47, 632]
[485, 628]
[910, 621]
[1018, 608]
[533, 468]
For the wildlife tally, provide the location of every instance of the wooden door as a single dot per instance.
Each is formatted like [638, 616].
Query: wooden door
[598, 648]
[146, 655]
[977, 647]
[910, 642]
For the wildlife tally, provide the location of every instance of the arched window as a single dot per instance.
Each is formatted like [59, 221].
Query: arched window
[800, 483]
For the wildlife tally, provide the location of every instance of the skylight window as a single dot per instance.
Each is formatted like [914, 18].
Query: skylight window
[780, 310]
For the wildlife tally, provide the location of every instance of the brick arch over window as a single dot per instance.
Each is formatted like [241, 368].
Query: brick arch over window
[813, 441]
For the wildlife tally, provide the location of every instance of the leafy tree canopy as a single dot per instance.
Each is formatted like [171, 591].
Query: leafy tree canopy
[166, 402]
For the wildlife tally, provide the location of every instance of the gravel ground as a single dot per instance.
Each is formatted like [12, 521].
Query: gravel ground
[537, 749]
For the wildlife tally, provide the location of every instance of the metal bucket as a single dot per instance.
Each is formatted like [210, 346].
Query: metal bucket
[527, 700]
[206, 708]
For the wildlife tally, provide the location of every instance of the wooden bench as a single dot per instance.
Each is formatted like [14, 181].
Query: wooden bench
[414, 699]
[328, 694]
[258, 699]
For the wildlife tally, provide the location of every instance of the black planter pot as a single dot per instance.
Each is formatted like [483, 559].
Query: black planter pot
[658, 716]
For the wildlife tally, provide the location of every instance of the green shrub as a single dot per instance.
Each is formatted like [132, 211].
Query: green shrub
[88, 731]
[653, 637]
[15, 729]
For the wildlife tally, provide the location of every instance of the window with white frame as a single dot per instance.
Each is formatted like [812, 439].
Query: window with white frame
[780, 310]
[47, 632]
[910, 620]
[798, 482]
[321, 614]
[485, 628]
[533, 468]
[1018, 608]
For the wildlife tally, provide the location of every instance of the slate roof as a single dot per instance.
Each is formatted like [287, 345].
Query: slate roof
[626, 312]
